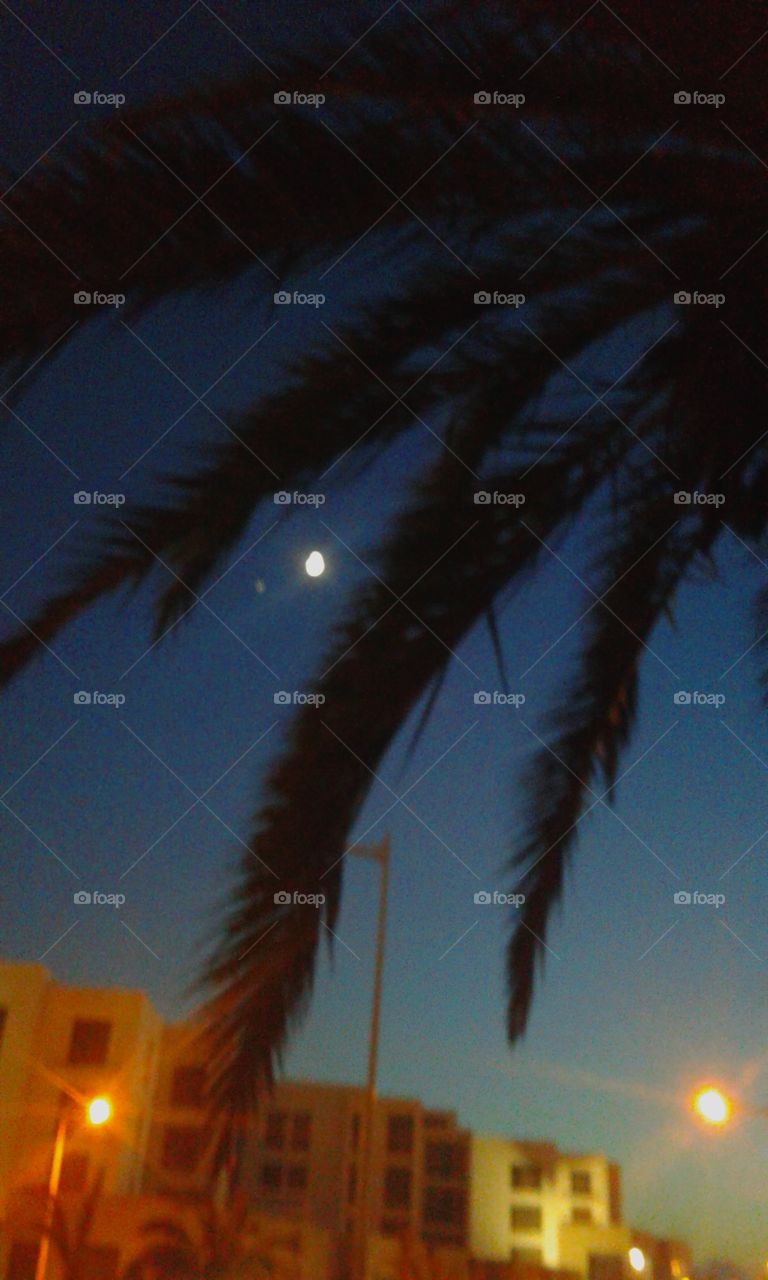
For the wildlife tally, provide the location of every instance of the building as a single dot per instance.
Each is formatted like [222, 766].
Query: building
[441, 1198]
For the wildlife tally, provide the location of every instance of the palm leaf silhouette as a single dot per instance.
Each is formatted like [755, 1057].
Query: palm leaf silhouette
[605, 222]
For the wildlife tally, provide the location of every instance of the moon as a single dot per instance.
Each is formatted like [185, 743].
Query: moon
[314, 564]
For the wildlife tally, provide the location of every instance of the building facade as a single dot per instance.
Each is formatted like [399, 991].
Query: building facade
[436, 1190]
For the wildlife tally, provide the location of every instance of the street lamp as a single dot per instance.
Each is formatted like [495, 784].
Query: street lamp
[380, 854]
[713, 1106]
[96, 1111]
[637, 1259]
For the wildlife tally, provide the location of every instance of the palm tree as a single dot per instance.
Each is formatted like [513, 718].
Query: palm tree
[226, 1248]
[599, 201]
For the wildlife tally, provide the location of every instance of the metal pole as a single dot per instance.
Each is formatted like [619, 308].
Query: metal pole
[379, 853]
[53, 1191]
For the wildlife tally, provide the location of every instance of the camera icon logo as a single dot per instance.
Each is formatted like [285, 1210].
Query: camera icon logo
[682, 499]
[482, 498]
[482, 97]
[482, 898]
[682, 698]
[282, 898]
[282, 297]
[683, 98]
[683, 298]
[81, 898]
[82, 498]
[282, 698]
[281, 98]
[82, 298]
[482, 698]
[682, 899]
[282, 498]
[482, 298]
[82, 698]
[82, 98]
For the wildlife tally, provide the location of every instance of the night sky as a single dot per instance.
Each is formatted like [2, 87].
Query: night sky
[642, 999]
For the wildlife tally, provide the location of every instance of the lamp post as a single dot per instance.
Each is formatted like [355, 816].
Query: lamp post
[379, 854]
[97, 1111]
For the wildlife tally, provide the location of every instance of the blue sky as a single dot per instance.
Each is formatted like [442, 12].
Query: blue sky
[641, 998]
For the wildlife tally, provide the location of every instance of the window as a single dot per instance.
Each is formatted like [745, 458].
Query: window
[400, 1134]
[526, 1176]
[74, 1172]
[354, 1136]
[605, 1266]
[352, 1184]
[525, 1217]
[297, 1177]
[272, 1175]
[526, 1257]
[22, 1260]
[397, 1188]
[89, 1042]
[581, 1215]
[274, 1133]
[445, 1160]
[182, 1148]
[188, 1087]
[581, 1182]
[444, 1206]
[301, 1131]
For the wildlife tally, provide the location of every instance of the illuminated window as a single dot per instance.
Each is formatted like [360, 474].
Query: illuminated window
[525, 1217]
[581, 1182]
[89, 1042]
[526, 1176]
[581, 1215]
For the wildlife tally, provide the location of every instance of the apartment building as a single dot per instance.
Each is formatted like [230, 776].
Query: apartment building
[484, 1202]
[522, 1194]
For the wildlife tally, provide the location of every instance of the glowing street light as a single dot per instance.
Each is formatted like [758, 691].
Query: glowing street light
[99, 1110]
[96, 1111]
[637, 1259]
[713, 1106]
